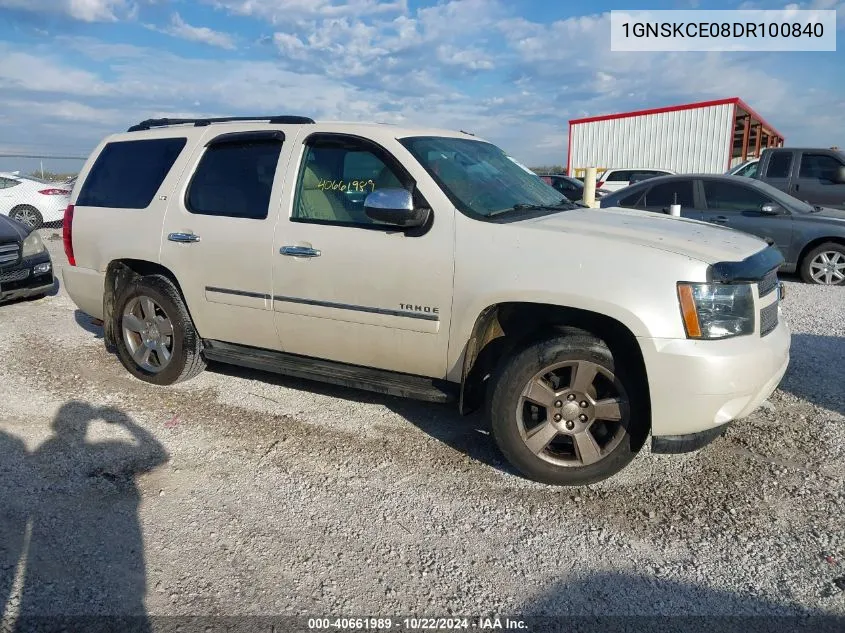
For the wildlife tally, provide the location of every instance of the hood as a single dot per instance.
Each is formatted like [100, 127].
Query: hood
[826, 214]
[12, 230]
[691, 238]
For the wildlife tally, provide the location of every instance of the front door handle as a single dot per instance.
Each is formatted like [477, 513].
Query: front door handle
[183, 238]
[299, 251]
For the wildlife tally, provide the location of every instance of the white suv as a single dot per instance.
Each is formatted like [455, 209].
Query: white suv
[427, 264]
[616, 179]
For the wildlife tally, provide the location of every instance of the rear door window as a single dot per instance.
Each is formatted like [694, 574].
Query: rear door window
[128, 174]
[665, 194]
[780, 165]
[631, 200]
[235, 179]
[620, 175]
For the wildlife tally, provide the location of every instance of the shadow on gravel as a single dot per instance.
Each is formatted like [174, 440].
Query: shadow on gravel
[70, 539]
[469, 435]
[87, 323]
[611, 602]
[816, 372]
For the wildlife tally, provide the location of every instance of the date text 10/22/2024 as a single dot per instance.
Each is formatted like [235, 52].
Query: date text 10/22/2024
[416, 624]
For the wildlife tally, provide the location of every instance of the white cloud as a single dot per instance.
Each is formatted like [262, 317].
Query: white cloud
[276, 11]
[460, 64]
[85, 10]
[179, 28]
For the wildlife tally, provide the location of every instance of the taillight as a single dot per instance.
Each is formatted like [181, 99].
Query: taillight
[67, 235]
[54, 192]
[600, 184]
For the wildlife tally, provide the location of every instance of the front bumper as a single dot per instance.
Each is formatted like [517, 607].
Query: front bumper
[30, 277]
[698, 386]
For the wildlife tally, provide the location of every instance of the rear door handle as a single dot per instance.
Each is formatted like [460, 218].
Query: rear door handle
[183, 238]
[720, 219]
[299, 251]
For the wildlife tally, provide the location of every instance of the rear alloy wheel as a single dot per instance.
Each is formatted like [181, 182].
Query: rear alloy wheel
[825, 265]
[30, 216]
[155, 338]
[565, 412]
[148, 334]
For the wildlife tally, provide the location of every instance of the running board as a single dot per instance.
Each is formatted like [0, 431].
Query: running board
[354, 376]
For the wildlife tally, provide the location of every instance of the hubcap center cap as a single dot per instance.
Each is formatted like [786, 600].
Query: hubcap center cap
[570, 411]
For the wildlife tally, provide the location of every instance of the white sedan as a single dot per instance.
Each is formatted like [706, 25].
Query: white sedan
[32, 201]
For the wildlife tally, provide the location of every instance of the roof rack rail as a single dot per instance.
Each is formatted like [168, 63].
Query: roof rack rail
[151, 123]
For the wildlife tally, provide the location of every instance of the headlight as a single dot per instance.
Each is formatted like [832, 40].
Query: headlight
[713, 311]
[32, 245]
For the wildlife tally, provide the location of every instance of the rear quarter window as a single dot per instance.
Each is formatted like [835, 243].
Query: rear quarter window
[618, 176]
[128, 174]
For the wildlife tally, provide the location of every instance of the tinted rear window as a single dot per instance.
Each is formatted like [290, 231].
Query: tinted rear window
[127, 174]
[780, 165]
[669, 193]
[234, 180]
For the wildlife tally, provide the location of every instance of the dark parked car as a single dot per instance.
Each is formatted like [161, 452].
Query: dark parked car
[26, 270]
[572, 188]
[816, 176]
[811, 238]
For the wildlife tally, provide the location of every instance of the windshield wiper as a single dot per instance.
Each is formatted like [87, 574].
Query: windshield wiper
[522, 206]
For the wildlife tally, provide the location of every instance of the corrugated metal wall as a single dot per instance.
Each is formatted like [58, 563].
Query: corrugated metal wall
[694, 140]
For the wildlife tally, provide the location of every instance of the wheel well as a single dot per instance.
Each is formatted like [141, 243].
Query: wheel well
[120, 272]
[817, 242]
[502, 328]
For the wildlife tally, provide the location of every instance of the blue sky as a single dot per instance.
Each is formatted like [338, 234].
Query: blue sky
[511, 71]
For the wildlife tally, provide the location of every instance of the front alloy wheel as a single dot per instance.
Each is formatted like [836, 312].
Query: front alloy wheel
[828, 268]
[572, 413]
[567, 411]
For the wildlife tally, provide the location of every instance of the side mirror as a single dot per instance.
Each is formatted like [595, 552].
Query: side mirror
[395, 206]
[770, 208]
[839, 176]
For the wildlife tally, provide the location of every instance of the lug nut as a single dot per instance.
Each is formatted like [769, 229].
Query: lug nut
[583, 404]
[582, 417]
[570, 424]
[570, 397]
[558, 404]
[558, 417]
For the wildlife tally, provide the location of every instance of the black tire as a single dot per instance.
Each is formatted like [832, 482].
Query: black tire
[506, 393]
[18, 212]
[807, 262]
[186, 359]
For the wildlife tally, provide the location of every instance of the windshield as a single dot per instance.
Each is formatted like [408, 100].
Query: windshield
[480, 179]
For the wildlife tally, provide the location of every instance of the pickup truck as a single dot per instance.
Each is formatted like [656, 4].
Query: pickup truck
[816, 176]
[426, 264]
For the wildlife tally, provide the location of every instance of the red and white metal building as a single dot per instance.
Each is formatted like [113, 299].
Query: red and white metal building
[703, 137]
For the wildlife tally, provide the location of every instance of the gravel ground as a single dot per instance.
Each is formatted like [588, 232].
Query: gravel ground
[247, 493]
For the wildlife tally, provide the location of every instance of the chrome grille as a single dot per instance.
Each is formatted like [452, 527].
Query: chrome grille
[15, 275]
[768, 318]
[9, 253]
[768, 283]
